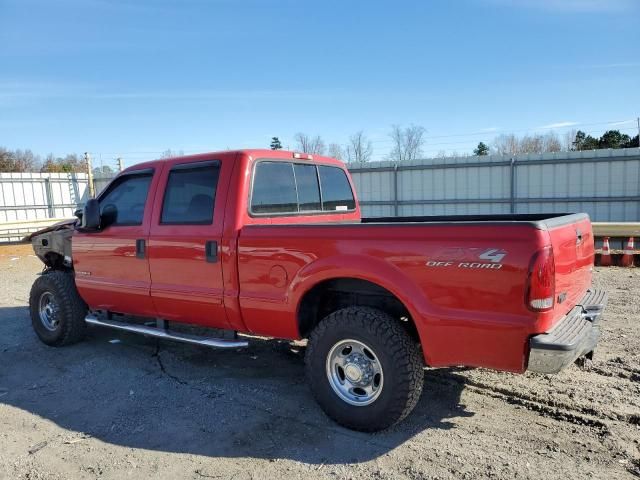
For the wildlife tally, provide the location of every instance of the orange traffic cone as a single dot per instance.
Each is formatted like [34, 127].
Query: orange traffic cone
[605, 256]
[627, 254]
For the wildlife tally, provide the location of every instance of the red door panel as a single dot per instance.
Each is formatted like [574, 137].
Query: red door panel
[184, 242]
[109, 274]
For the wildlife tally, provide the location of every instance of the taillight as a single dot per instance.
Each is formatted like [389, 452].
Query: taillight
[541, 287]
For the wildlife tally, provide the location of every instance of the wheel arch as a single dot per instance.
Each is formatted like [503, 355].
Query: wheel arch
[322, 288]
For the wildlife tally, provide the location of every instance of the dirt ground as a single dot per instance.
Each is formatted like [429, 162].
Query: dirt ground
[124, 406]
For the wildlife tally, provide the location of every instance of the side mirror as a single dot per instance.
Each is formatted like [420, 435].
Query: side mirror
[91, 215]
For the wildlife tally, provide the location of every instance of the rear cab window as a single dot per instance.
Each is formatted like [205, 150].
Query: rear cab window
[274, 188]
[308, 188]
[336, 191]
[291, 188]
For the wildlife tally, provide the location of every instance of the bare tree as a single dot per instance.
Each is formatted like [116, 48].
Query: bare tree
[360, 148]
[407, 142]
[7, 162]
[335, 151]
[70, 163]
[569, 139]
[19, 161]
[308, 144]
[552, 143]
[50, 164]
[506, 144]
[530, 144]
[537, 143]
[26, 161]
[168, 153]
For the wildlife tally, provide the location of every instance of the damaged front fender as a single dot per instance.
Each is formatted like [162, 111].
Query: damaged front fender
[52, 245]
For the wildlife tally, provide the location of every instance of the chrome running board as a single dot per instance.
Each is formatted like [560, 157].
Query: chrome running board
[164, 334]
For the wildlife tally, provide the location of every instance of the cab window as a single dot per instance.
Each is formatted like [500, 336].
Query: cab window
[336, 191]
[307, 187]
[294, 188]
[190, 194]
[124, 201]
[274, 188]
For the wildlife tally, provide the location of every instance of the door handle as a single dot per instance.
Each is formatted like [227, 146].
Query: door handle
[211, 251]
[140, 248]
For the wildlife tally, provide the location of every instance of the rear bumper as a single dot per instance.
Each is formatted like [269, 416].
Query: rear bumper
[572, 337]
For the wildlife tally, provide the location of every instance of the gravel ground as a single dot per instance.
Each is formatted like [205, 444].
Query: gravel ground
[120, 405]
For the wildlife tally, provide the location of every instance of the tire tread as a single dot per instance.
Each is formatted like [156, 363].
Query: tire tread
[398, 344]
[72, 307]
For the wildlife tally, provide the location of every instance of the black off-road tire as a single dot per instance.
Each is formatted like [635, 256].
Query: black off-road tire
[398, 353]
[71, 309]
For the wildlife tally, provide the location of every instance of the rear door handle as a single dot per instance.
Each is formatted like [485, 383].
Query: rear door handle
[140, 248]
[211, 251]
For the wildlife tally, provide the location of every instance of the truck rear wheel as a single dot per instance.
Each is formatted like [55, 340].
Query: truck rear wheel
[364, 369]
[57, 311]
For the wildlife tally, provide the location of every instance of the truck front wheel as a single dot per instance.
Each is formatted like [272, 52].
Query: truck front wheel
[57, 311]
[364, 369]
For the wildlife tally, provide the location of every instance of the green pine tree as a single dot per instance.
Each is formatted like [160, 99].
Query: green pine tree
[275, 143]
[613, 139]
[481, 149]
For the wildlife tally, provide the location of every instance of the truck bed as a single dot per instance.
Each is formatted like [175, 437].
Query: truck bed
[463, 277]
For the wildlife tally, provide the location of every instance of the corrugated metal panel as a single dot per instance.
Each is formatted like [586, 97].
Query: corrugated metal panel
[452, 209]
[377, 211]
[603, 183]
[37, 196]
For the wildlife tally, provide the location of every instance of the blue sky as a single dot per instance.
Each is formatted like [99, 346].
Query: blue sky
[136, 77]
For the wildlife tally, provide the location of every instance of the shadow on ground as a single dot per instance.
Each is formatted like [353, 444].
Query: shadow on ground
[135, 392]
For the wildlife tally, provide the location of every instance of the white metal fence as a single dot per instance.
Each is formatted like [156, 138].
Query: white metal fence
[37, 196]
[29, 201]
[603, 183]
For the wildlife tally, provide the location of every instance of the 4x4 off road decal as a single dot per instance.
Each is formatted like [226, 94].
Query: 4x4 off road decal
[468, 257]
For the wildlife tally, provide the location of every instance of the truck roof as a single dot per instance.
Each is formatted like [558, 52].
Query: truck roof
[251, 152]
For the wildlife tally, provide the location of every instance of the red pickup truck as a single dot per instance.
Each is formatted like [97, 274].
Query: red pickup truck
[272, 243]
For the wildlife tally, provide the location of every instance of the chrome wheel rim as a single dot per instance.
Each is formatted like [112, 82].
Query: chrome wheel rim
[48, 311]
[354, 372]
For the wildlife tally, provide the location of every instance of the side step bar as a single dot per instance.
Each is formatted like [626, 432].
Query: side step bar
[164, 334]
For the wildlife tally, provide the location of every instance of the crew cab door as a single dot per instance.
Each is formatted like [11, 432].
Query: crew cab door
[111, 265]
[184, 242]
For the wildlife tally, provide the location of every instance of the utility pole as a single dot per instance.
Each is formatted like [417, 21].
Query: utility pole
[638, 131]
[120, 164]
[87, 159]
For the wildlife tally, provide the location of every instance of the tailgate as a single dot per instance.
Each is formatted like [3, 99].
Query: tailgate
[573, 251]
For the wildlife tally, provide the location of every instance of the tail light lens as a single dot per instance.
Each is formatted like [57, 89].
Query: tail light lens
[541, 288]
